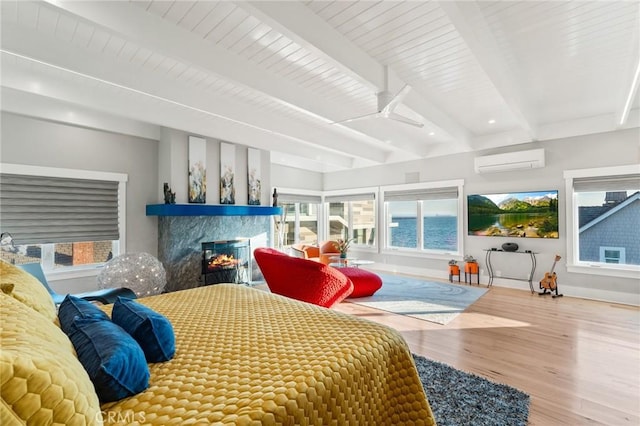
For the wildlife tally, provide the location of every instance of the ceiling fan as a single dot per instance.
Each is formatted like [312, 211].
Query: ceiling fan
[387, 103]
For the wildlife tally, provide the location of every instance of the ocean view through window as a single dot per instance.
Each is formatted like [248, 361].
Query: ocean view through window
[440, 232]
[424, 217]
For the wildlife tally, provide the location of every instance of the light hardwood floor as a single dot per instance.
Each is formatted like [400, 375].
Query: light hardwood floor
[578, 359]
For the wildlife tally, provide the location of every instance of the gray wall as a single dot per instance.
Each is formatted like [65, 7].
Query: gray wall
[148, 163]
[173, 168]
[590, 151]
[48, 144]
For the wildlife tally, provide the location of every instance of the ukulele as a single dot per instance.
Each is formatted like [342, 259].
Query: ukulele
[550, 279]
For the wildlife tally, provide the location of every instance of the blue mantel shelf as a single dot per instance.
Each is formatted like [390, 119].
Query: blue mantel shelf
[210, 210]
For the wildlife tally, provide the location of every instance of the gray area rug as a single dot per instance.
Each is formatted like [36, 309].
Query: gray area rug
[458, 398]
[425, 300]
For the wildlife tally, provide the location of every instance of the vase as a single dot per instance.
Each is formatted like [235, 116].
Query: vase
[343, 255]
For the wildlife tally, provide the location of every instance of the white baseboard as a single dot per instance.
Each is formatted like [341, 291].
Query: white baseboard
[601, 295]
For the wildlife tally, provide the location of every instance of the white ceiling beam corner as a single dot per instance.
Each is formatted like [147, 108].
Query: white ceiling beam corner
[630, 84]
[585, 126]
[468, 20]
[300, 24]
[439, 120]
[297, 22]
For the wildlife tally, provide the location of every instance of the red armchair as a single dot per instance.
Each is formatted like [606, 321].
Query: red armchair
[302, 279]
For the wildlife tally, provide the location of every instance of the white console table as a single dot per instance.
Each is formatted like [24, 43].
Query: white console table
[529, 279]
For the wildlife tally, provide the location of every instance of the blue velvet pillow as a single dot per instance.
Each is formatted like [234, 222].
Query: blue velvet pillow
[113, 359]
[150, 329]
[72, 307]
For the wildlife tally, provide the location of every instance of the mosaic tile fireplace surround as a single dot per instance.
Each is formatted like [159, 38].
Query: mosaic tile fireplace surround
[183, 228]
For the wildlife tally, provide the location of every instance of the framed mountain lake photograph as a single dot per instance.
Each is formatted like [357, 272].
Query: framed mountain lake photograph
[514, 214]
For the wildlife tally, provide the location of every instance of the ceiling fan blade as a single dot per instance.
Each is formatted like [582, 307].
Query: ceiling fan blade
[396, 100]
[360, 117]
[403, 119]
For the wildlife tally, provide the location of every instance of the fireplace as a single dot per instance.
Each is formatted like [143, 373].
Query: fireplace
[226, 262]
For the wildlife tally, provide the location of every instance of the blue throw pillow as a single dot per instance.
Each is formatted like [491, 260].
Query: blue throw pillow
[72, 307]
[113, 359]
[152, 330]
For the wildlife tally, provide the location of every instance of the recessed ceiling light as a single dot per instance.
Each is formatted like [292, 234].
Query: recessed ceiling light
[432, 133]
[492, 121]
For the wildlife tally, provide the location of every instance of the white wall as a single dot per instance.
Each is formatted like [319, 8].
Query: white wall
[291, 177]
[599, 150]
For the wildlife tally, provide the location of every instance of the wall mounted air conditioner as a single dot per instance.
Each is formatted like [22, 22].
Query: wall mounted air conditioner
[521, 160]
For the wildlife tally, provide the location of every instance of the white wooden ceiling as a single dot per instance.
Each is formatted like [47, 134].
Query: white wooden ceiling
[278, 75]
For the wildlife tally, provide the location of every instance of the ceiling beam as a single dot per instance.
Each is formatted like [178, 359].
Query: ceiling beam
[299, 23]
[75, 93]
[51, 51]
[468, 20]
[630, 85]
[134, 24]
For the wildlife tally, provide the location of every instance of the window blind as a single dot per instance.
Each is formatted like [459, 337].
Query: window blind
[443, 193]
[607, 183]
[350, 197]
[285, 198]
[41, 209]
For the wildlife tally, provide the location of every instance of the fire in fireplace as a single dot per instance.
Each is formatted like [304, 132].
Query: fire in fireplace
[226, 262]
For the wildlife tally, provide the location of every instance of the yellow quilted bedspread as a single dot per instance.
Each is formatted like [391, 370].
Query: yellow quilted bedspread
[244, 356]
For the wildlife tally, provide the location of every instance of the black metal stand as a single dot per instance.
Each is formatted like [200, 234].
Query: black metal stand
[529, 279]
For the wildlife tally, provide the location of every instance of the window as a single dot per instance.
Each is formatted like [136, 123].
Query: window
[65, 219]
[424, 217]
[603, 221]
[353, 215]
[612, 255]
[300, 216]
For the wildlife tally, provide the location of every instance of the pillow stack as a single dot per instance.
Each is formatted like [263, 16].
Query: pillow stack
[115, 351]
[41, 379]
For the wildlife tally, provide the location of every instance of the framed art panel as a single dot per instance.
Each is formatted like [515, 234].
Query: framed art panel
[227, 173]
[197, 170]
[254, 177]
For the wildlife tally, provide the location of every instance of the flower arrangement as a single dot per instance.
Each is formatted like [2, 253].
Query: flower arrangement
[343, 245]
[453, 262]
[470, 259]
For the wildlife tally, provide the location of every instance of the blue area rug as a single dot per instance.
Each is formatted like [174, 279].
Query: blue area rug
[425, 300]
[458, 398]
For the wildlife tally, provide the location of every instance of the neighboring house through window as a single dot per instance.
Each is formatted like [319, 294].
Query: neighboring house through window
[603, 220]
[352, 214]
[300, 216]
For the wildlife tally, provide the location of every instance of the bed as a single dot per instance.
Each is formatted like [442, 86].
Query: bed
[245, 356]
